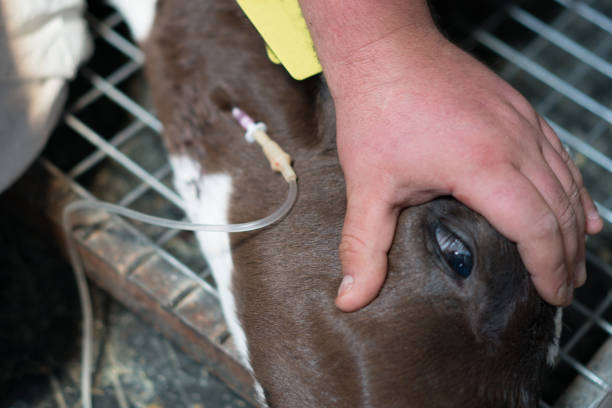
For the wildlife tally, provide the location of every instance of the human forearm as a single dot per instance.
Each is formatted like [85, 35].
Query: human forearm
[357, 39]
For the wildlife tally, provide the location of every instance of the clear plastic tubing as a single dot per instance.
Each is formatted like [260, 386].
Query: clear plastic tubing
[186, 225]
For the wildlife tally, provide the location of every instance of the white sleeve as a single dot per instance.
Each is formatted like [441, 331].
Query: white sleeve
[42, 44]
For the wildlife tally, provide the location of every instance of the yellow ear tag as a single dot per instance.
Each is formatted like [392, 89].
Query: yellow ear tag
[283, 28]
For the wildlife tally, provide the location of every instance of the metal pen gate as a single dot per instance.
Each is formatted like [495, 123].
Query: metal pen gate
[561, 61]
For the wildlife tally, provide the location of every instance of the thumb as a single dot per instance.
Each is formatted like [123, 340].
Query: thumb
[367, 234]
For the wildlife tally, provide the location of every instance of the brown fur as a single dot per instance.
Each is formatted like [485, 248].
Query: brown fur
[431, 338]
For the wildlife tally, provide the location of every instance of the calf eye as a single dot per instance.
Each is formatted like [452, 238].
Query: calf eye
[455, 252]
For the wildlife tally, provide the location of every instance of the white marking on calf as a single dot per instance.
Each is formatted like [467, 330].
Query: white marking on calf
[553, 348]
[207, 202]
[138, 14]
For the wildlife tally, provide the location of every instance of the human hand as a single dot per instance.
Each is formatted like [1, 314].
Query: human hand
[418, 122]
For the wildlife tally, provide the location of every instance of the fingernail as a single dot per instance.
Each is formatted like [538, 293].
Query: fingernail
[594, 215]
[346, 285]
[563, 294]
[581, 275]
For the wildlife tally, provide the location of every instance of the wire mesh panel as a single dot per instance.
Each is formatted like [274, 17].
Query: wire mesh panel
[558, 53]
